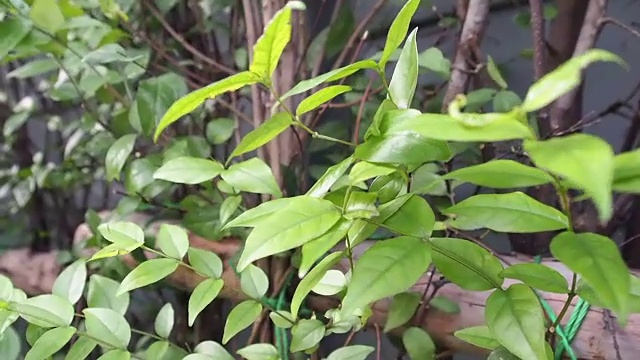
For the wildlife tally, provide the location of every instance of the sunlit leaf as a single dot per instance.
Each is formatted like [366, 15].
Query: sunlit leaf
[254, 282]
[418, 343]
[564, 78]
[597, 260]
[330, 177]
[494, 73]
[315, 100]
[259, 352]
[147, 273]
[479, 336]
[586, 161]
[70, 283]
[264, 133]
[402, 309]
[108, 326]
[173, 240]
[269, 47]
[466, 264]
[50, 343]
[117, 156]
[627, 172]
[513, 212]
[47, 15]
[202, 296]
[516, 320]
[163, 323]
[46, 311]
[311, 279]
[241, 317]
[252, 175]
[387, 268]
[500, 174]
[403, 83]
[299, 222]
[188, 170]
[351, 352]
[537, 276]
[398, 30]
[101, 293]
[196, 98]
[306, 334]
[205, 262]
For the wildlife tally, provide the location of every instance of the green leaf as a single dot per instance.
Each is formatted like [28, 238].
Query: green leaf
[261, 213]
[10, 344]
[173, 241]
[516, 320]
[352, 352]
[311, 279]
[444, 305]
[12, 32]
[322, 96]
[213, 349]
[202, 296]
[116, 354]
[331, 283]
[50, 343]
[434, 60]
[505, 101]
[626, 175]
[269, 46]
[102, 294]
[70, 283]
[597, 260]
[330, 76]
[264, 133]
[81, 348]
[108, 326]
[514, 212]
[361, 205]
[479, 336]
[494, 73]
[500, 127]
[418, 343]
[241, 317]
[188, 170]
[301, 221]
[538, 276]
[586, 161]
[399, 144]
[282, 319]
[564, 79]
[252, 175]
[195, 98]
[316, 248]
[125, 235]
[402, 309]
[117, 155]
[398, 30]
[466, 264]
[164, 321]
[500, 174]
[387, 268]
[46, 15]
[363, 171]
[414, 218]
[46, 311]
[157, 350]
[254, 282]
[220, 130]
[402, 86]
[259, 352]
[205, 262]
[147, 273]
[390, 186]
[330, 177]
[306, 334]
[501, 353]
[229, 207]
[33, 68]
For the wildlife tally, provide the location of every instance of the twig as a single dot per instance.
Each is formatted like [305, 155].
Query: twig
[614, 21]
[356, 129]
[195, 52]
[539, 47]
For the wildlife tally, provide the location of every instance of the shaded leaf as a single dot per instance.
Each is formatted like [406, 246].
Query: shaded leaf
[47, 15]
[330, 177]
[418, 343]
[50, 343]
[12, 32]
[81, 348]
[205, 262]
[402, 309]
[101, 293]
[117, 155]
[108, 326]
[479, 336]
[46, 311]
[311, 279]
[70, 283]
[626, 175]
[252, 175]
[352, 352]
[306, 334]
[254, 282]
[220, 130]
[494, 73]
[163, 323]
[173, 241]
[259, 352]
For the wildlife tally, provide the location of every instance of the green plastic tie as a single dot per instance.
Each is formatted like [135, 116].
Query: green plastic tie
[573, 325]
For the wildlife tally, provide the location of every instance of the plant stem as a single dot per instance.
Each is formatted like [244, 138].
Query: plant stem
[565, 308]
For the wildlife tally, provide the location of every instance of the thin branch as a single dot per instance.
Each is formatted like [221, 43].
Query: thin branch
[614, 21]
[539, 47]
[195, 52]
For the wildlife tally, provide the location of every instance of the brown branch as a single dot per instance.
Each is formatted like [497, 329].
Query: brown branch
[195, 52]
[614, 21]
[539, 48]
[476, 17]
